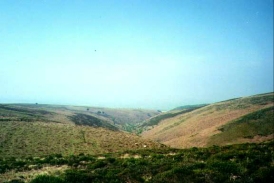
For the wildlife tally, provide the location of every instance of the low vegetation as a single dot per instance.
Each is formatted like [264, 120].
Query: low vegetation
[189, 107]
[23, 139]
[88, 120]
[23, 110]
[156, 120]
[241, 120]
[18, 113]
[38, 130]
[235, 163]
[258, 123]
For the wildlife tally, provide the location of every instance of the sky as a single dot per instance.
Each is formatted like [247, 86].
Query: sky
[154, 54]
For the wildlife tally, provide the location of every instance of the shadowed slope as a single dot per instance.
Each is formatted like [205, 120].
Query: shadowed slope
[87, 120]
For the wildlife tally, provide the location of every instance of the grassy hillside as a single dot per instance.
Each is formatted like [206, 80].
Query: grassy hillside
[238, 163]
[18, 113]
[36, 130]
[189, 107]
[257, 124]
[202, 127]
[84, 119]
[39, 138]
[147, 124]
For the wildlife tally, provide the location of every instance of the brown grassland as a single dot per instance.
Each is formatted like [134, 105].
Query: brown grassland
[195, 129]
[37, 130]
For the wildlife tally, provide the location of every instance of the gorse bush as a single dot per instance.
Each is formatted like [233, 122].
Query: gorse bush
[47, 179]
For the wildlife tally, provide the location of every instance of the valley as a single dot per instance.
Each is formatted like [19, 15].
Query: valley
[227, 141]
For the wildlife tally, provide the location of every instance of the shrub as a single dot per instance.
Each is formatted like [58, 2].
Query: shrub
[16, 181]
[47, 179]
[77, 176]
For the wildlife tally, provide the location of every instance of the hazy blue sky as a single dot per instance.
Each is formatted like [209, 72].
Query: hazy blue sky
[134, 53]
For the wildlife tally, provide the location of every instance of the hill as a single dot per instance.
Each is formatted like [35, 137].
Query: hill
[124, 119]
[246, 119]
[36, 130]
[189, 107]
[166, 115]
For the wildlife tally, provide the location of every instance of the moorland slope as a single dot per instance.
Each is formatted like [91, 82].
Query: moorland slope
[241, 120]
[36, 130]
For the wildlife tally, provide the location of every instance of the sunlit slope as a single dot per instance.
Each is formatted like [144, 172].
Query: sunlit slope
[207, 125]
[35, 130]
[147, 124]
